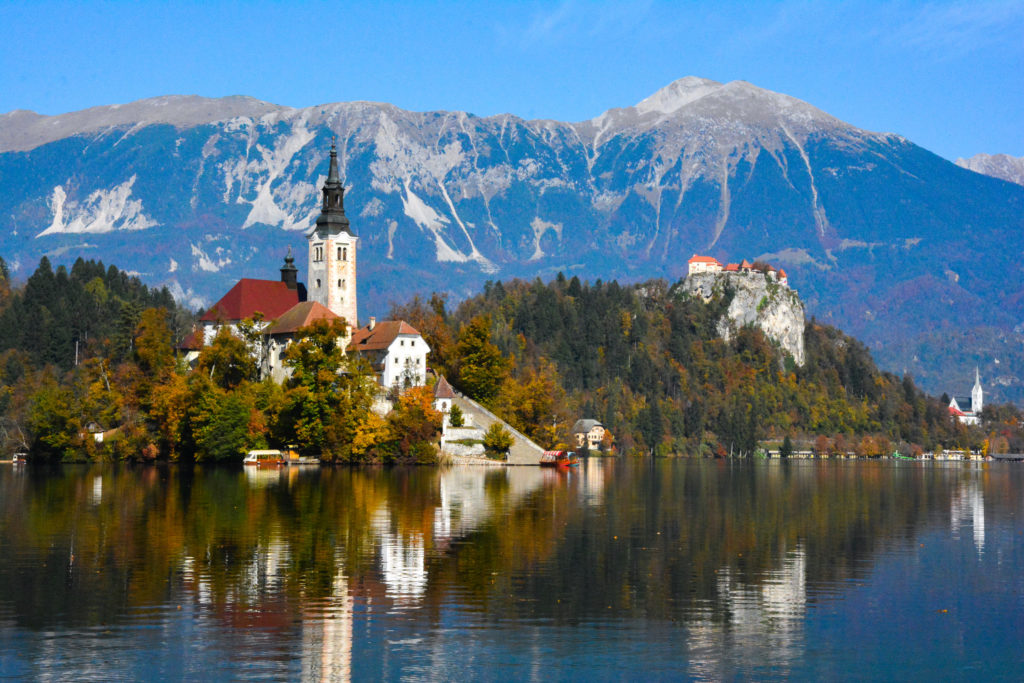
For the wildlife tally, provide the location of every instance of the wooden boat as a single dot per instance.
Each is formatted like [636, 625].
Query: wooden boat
[558, 459]
[19, 458]
[265, 458]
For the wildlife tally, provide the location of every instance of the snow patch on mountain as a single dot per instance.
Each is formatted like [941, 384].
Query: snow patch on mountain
[540, 227]
[102, 211]
[428, 219]
[186, 297]
[207, 263]
[278, 201]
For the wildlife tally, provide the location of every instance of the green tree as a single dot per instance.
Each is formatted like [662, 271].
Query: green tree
[227, 361]
[498, 441]
[455, 418]
[481, 367]
[222, 433]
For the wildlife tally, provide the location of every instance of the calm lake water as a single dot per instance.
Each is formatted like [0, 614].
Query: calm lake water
[624, 569]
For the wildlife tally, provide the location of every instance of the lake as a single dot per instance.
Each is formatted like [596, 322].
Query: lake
[620, 569]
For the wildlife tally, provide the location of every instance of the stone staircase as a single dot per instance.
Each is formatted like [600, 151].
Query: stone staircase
[523, 451]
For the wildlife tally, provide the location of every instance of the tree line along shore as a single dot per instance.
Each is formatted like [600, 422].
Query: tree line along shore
[90, 350]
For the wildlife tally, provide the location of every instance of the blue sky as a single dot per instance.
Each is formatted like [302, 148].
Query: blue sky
[947, 75]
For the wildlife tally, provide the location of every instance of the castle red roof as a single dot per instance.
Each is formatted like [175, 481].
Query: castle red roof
[703, 259]
[272, 298]
[955, 412]
[380, 336]
[301, 315]
[782, 274]
[745, 264]
[732, 267]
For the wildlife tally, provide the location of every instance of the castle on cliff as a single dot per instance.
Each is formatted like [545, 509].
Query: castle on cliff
[709, 264]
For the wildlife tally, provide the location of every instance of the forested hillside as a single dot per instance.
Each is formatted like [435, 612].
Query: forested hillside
[646, 360]
[92, 350]
[92, 307]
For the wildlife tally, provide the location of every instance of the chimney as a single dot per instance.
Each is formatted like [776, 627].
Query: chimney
[373, 322]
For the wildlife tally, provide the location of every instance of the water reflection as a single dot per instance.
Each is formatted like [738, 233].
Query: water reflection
[706, 568]
[969, 506]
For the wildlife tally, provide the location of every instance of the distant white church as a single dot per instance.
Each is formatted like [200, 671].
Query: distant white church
[967, 409]
[396, 349]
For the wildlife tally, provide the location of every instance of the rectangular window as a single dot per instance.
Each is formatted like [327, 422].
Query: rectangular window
[344, 253]
[339, 253]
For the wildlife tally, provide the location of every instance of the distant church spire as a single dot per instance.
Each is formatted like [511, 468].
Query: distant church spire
[976, 393]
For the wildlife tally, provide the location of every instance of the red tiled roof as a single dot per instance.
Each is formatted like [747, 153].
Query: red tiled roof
[381, 336]
[272, 298]
[732, 267]
[745, 264]
[703, 259]
[301, 315]
[782, 274]
[443, 389]
[958, 413]
[192, 342]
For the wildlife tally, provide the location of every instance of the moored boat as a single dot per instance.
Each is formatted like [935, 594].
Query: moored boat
[558, 459]
[264, 458]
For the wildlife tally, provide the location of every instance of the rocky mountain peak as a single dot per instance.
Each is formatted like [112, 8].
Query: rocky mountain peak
[22, 131]
[676, 95]
[1001, 166]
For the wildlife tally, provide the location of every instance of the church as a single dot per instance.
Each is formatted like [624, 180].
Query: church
[967, 409]
[395, 349]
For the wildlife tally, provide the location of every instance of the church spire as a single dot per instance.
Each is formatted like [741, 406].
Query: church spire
[332, 219]
[977, 397]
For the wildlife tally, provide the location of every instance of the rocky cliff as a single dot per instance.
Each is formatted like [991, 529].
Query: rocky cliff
[755, 300]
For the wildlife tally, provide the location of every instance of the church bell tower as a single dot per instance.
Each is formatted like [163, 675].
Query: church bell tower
[332, 252]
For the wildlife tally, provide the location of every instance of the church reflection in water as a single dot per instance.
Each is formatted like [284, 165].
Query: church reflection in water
[338, 573]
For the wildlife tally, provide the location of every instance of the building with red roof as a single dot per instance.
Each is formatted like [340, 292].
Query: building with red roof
[395, 349]
[271, 298]
[708, 264]
[703, 264]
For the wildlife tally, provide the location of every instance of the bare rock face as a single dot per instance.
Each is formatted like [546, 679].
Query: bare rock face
[1000, 166]
[772, 307]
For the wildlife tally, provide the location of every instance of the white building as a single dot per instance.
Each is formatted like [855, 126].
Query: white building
[396, 350]
[967, 409]
[703, 264]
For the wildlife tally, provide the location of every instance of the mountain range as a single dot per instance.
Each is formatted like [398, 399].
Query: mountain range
[917, 256]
